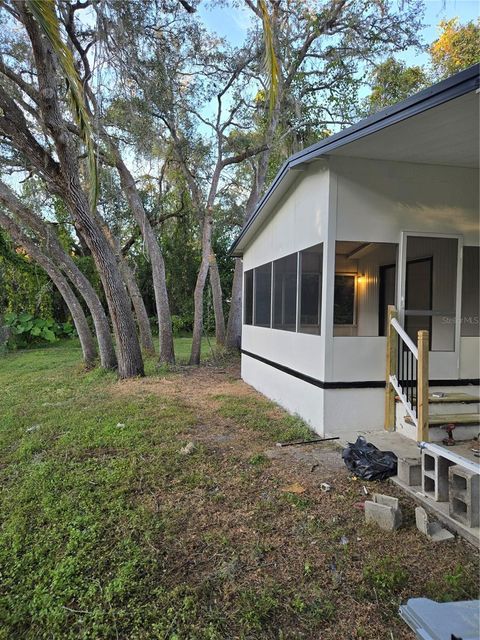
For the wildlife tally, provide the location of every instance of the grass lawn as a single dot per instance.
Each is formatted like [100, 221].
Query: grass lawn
[108, 531]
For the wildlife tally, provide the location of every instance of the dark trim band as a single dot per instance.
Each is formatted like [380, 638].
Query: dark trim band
[360, 384]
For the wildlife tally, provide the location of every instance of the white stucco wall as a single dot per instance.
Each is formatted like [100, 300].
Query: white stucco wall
[358, 358]
[358, 200]
[294, 395]
[300, 222]
[469, 357]
[347, 411]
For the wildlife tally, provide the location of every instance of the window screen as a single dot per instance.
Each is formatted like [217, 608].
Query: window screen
[470, 292]
[285, 293]
[263, 295]
[344, 299]
[311, 268]
[248, 297]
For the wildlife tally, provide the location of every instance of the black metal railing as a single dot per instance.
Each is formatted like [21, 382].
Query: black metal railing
[407, 374]
[406, 369]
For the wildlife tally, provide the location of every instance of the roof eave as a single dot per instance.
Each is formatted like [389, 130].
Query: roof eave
[453, 87]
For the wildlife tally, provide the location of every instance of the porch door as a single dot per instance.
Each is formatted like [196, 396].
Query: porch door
[430, 296]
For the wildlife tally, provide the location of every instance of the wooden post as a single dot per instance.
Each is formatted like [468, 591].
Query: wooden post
[391, 369]
[422, 387]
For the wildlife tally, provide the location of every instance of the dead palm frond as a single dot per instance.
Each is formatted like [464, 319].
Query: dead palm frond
[271, 63]
[44, 12]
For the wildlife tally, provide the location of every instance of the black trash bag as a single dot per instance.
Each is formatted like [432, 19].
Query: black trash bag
[367, 462]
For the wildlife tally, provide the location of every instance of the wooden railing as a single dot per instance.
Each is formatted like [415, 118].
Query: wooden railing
[406, 376]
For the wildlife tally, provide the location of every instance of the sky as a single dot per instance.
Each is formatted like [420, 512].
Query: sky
[232, 24]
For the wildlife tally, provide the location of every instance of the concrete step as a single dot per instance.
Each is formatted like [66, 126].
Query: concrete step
[405, 427]
[468, 398]
[455, 408]
[449, 396]
[454, 403]
[450, 418]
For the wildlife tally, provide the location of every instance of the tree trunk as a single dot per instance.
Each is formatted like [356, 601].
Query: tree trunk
[129, 355]
[143, 321]
[234, 326]
[167, 353]
[199, 289]
[80, 321]
[108, 359]
[216, 287]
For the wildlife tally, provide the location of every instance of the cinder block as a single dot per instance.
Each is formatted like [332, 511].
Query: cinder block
[384, 512]
[387, 501]
[409, 471]
[433, 530]
[435, 475]
[464, 495]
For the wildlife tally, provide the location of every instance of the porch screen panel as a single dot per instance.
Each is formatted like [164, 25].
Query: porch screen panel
[311, 270]
[248, 297]
[431, 304]
[470, 292]
[263, 295]
[285, 293]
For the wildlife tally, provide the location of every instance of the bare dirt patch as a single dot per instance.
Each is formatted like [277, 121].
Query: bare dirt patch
[302, 562]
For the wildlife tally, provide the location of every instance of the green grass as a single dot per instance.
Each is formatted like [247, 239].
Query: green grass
[184, 344]
[74, 537]
[94, 498]
[257, 415]
[108, 532]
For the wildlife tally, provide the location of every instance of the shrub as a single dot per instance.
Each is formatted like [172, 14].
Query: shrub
[26, 329]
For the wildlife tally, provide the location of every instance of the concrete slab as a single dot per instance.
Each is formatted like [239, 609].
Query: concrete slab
[391, 441]
[407, 448]
[464, 448]
[440, 511]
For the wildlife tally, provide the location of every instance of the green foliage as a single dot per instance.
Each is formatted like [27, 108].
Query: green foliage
[457, 584]
[45, 14]
[386, 576]
[178, 325]
[393, 81]
[24, 287]
[26, 329]
[456, 48]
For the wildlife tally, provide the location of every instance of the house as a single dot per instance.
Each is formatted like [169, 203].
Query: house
[383, 213]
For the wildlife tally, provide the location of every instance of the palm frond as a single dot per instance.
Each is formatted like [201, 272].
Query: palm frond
[271, 63]
[45, 14]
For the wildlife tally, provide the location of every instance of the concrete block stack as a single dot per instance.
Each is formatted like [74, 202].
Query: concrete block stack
[464, 496]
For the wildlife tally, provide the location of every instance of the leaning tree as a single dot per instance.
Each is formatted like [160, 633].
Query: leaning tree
[36, 123]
